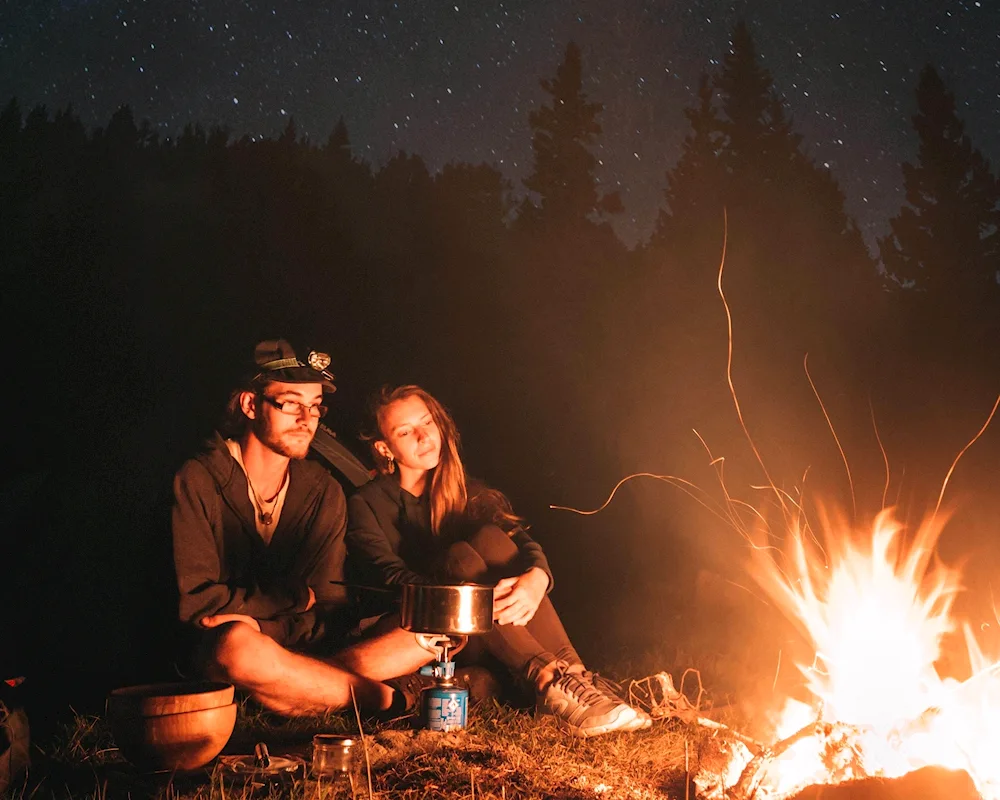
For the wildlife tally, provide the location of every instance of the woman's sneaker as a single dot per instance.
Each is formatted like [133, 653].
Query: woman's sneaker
[614, 691]
[582, 709]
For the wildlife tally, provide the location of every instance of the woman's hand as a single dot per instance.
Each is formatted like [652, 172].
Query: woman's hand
[515, 600]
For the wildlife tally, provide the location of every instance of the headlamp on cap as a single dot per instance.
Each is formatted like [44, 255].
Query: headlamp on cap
[319, 362]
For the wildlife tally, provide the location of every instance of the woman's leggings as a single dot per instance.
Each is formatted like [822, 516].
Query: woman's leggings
[485, 557]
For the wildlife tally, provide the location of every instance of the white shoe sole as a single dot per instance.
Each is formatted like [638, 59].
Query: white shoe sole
[617, 724]
[640, 723]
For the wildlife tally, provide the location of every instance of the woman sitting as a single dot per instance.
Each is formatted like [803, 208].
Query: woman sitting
[422, 521]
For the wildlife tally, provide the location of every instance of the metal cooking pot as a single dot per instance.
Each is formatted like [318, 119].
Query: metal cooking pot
[463, 608]
[453, 609]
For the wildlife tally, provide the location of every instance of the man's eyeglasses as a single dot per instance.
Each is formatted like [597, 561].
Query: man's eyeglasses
[295, 409]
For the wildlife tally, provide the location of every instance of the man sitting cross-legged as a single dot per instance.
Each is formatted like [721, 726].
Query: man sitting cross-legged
[258, 535]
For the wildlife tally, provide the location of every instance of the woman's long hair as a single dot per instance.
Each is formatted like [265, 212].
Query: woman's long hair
[451, 506]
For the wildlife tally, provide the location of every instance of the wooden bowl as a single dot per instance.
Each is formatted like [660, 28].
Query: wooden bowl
[157, 699]
[183, 741]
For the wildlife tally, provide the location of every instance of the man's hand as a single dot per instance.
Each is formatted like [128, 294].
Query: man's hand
[515, 600]
[222, 619]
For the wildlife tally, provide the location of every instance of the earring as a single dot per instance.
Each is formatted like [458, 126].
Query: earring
[390, 464]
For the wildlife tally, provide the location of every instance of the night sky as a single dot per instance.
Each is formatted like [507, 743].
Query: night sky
[454, 80]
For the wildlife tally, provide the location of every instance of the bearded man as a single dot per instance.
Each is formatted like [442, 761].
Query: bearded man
[258, 534]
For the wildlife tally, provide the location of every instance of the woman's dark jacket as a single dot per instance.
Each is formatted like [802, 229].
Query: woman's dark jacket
[389, 539]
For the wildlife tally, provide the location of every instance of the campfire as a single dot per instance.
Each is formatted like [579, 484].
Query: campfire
[874, 606]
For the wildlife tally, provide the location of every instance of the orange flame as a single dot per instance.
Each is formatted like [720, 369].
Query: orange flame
[875, 607]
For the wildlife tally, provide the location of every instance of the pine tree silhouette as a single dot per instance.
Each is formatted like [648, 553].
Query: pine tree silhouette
[791, 209]
[290, 136]
[339, 141]
[759, 141]
[694, 191]
[795, 260]
[562, 133]
[945, 239]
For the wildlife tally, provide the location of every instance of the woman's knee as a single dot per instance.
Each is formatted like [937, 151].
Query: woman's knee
[462, 563]
[493, 545]
[483, 556]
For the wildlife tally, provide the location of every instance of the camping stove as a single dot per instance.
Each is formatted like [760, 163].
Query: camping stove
[444, 705]
[443, 616]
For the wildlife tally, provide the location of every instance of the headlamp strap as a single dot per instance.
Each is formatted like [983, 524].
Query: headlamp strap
[281, 363]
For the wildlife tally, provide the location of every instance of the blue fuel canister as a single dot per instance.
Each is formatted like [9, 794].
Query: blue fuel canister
[445, 704]
[446, 707]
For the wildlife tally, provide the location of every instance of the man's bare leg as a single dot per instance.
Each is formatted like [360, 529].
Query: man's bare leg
[281, 680]
[388, 653]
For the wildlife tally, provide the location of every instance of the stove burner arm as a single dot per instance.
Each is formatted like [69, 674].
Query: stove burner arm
[442, 645]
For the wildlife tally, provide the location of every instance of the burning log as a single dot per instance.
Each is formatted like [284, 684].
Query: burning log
[930, 783]
[844, 754]
[839, 754]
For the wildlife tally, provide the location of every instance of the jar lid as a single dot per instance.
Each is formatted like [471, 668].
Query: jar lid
[251, 766]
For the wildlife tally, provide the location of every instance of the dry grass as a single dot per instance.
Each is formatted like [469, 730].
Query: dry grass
[504, 754]
[86, 740]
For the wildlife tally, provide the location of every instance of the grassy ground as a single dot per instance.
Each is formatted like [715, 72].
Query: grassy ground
[504, 753]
